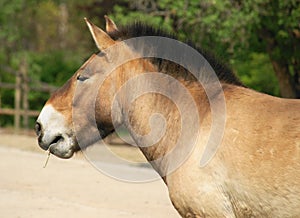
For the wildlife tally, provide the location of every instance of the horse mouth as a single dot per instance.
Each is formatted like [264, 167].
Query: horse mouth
[62, 147]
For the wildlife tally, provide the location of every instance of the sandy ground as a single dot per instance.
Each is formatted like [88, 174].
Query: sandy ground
[72, 188]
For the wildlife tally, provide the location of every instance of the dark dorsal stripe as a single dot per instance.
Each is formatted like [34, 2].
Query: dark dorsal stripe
[223, 72]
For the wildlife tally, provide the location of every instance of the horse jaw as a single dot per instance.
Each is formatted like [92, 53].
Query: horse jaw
[55, 134]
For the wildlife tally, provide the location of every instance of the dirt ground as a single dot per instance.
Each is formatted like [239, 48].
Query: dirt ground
[71, 188]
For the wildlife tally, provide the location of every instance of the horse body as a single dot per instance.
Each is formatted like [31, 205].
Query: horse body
[250, 175]
[256, 170]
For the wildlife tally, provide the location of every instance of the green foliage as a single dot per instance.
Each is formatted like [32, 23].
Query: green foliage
[51, 35]
[55, 67]
[37, 31]
[122, 18]
[236, 31]
[256, 72]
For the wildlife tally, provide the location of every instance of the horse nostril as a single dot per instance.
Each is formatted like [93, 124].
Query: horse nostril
[57, 139]
[38, 128]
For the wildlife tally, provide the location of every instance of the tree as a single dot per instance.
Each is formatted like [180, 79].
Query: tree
[45, 35]
[235, 29]
[279, 32]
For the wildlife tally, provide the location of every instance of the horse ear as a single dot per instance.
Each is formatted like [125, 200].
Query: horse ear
[111, 27]
[101, 38]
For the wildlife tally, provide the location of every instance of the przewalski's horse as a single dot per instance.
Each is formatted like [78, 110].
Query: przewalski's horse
[256, 169]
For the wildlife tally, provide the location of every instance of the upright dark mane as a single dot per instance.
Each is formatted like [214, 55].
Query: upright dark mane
[137, 29]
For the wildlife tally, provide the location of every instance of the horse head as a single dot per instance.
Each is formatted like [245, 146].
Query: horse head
[55, 126]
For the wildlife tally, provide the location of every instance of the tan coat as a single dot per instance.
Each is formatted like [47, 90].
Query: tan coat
[255, 172]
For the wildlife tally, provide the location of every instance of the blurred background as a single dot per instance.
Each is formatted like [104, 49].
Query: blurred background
[43, 42]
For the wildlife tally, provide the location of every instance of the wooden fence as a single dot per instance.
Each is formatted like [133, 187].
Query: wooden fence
[21, 89]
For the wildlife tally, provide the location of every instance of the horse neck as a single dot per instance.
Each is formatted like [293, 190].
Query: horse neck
[155, 122]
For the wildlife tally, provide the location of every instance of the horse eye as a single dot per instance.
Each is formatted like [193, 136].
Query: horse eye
[81, 78]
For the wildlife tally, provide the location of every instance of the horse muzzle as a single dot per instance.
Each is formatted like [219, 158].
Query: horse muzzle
[54, 135]
[59, 145]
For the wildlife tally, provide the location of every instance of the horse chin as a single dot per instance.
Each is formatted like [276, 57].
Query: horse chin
[68, 145]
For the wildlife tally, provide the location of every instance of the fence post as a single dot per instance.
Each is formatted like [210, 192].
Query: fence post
[25, 90]
[0, 95]
[0, 100]
[17, 115]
